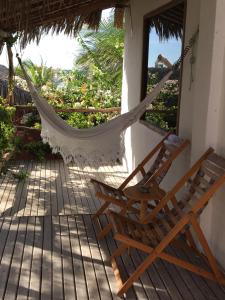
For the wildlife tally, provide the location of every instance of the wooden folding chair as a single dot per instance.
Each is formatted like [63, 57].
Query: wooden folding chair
[166, 152]
[154, 236]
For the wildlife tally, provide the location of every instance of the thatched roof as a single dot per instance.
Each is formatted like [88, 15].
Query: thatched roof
[32, 18]
[169, 23]
[21, 97]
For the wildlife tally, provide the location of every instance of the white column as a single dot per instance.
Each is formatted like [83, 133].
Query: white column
[208, 110]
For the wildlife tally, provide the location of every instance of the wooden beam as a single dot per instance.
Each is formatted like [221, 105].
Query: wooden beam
[4, 34]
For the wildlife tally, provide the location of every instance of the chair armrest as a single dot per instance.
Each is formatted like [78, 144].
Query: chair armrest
[104, 185]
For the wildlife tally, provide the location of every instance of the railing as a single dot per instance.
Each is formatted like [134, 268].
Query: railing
[80, 110]
[28, 108]
[23, 109]
[161, 111]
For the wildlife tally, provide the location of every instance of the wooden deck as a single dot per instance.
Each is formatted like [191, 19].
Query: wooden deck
[53, 188]
[48, 245]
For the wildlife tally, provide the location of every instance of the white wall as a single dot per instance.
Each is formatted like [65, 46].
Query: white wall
[208, 110]
[202, 108]
[139, 139]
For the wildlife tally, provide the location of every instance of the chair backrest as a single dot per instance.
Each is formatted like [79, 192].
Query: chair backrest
[211, 170]
[193, 191]
[167, 153]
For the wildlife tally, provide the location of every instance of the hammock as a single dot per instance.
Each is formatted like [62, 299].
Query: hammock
[101, 143]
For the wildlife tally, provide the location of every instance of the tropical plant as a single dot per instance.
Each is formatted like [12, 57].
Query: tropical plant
[102, 50]
[94, 82]
[21, 175]
[166, 100]
[38, 149]
[6, 127]
[40, 75]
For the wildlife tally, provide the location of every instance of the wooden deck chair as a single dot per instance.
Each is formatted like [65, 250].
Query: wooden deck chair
[154, 236]
[166, 152]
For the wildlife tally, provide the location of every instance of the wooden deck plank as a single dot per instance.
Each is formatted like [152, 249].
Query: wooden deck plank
[25, 191]
[88, 195]
[60, 200]
[20, 195]
[101, 276]
[13, 277]
[46, 276]
[10, 192]
[58, 257]
[91, 281]
[78, 264]
[85, 196]
[24, 278]
[105, 254]
[36, 191]
[48, 192]
[67, 261]
[4, 232]
[72, 200]
[76, 193]
[42, 199]
[196, 292]
[30, 188]
[112, 246]
[179, 283]
[53, 193]
[202, 283]
[79, 187]
[146, 280]
[35, 276]
[53, 188]
[7, 256]
[65, 194]
[57, 276]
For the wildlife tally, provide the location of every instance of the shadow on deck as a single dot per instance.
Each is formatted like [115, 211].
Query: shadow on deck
[48, 245]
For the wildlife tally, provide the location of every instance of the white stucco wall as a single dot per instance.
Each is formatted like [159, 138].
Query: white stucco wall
[138, 138]
[202, 108]
[208, 120]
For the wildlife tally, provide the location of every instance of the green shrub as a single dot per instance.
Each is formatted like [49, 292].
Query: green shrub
[166, 100]
[6, 127]
[81, 120]
[38, 149]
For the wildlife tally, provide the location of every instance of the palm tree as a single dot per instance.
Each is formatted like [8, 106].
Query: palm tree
[39, 75]
[102, 49]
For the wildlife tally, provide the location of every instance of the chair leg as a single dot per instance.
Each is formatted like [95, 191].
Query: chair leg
[100, 210]
[104, 231]
[119, 251]
[137, 273]
[212, 261]
[190, 239]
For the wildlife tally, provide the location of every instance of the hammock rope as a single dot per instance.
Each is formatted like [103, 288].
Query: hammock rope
[103, 142]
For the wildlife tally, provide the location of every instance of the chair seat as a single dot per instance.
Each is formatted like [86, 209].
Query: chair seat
[150, 234]
[106, 190]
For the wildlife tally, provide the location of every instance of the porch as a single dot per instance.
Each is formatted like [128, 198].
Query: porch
[49, 248]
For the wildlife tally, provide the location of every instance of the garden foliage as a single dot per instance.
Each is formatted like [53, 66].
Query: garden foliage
[95, 82]
[6, 127]
[166, 100]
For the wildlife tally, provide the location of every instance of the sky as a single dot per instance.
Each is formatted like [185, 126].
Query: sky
[59, 51]
[170, 49]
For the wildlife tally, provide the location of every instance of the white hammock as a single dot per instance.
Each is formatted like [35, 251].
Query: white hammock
[103, 142]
